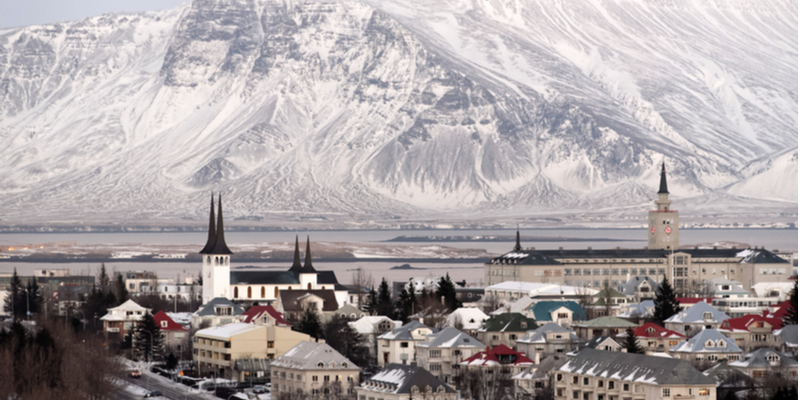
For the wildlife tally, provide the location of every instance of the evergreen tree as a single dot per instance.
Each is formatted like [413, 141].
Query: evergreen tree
[631, 344]
[385, 305]
[14, 302]
[447, 291]
[103, 279]
[33, 296]
[310, 324]
[404, 305]
[172, 361]
[122, 291]
[148, 342]
[791, 313]
[372, 302]
[665, 303]
[344, 339]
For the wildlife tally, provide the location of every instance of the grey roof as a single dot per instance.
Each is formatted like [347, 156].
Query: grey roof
[290, 299]
[700, 343]
[594, 342]
[728, 377]
[635, 368]
[260, 277]
[308, 355]
[789, 335]
[758, 359]
[399, 378]
[642, 310]
[252, 364]
[762, 257]
[208, 309]
[694, 314]
[542, 370]
[629, 288]
[450, 338]
[404, 332]
[525, 257]
[539, 334]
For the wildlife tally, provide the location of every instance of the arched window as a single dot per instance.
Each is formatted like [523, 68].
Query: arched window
[344, 364]
[235, 292]
[309, 285]
[249, 292]
[320, 365]
[276, 292]
[208, 259]
[263, 292]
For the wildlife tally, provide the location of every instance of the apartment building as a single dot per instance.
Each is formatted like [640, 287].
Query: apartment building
[709, 345]
[601, 375]
[398, 346]
[695, 318]
[313, 369]
[404, 382]
[505, 329]
[546, 340]
[440, 353]
[751, 332]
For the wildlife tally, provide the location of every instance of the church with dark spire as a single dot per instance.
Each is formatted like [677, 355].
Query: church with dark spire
[663, 223]
[264, 286]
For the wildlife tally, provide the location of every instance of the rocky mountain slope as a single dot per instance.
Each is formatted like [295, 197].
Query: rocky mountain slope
[376, 109]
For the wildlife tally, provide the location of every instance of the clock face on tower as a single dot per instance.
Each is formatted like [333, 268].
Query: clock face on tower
[668, 230]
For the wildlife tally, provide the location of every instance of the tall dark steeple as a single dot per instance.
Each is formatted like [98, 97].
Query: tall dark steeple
[518, 246]
[212, 235]
[296, 264]
[219, 243]
[663, 187]
[307, 267]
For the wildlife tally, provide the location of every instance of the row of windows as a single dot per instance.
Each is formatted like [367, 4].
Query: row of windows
[612, 385]
[612, 271]
[264, 291]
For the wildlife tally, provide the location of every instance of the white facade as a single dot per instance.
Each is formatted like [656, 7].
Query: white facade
[216, 276]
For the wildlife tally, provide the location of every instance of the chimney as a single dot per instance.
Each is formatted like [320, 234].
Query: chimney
[536, 358]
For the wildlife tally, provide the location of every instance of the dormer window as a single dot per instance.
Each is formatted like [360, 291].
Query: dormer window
[650, 330]
[163, 324]
[524, 325]
[710, 343]
[707, 315]
[320, 364]
[721, 343]
[773, 358]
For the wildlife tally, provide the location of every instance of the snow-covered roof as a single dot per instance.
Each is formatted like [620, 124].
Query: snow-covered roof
[707, 341]
[227, 331]
[404, 332]
[129, 305]
[788, 334]
[400, 379]
[541, 289]
[518, 306]
[636, 368]
[366, 325]
[629, 288]
[470, 317]
[539, 335]
[765, 357]
[697, 314]
[313, 355]
[450, 338]
[642, 310]
[763, 289]
[183, 318]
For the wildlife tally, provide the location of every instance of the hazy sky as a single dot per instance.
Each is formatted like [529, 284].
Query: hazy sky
[34, 12]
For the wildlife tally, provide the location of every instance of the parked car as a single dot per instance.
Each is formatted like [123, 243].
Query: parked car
[154, 393]
[258, 389]
[135, 373]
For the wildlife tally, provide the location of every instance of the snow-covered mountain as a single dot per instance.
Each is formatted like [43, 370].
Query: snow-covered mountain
[378, 108]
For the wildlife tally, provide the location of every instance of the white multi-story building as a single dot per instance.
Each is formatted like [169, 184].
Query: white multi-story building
[313, 369]
[442, 352]
[399, 344]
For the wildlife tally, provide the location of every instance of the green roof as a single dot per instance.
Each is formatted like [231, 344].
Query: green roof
[542, 310]
[608, 322]
[508, 322]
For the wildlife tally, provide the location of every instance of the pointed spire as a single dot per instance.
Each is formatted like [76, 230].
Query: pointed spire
[296, 264]
[219, 246]
[518, 246]
[663, 187]
[212, 235]
[307, 267]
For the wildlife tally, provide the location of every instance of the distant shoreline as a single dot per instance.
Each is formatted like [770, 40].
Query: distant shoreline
[495, 238]
[71, 260]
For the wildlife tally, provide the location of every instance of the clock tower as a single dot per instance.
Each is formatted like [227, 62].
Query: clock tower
[663, 223]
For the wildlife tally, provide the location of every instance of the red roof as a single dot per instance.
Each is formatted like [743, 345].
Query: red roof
[694, 300]
[498, 355]
[651, 330]
[255, 312]
[170, 325]
[743, 323]
[783, 308]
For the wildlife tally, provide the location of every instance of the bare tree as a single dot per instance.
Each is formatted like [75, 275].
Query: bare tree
[490, 303]
[361, 279]
[485, 383]
[607, 298]
[586, 301]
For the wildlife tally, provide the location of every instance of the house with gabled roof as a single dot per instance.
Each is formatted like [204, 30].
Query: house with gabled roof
[616, 301]
[218, 311]
[536, 376]
[767, 362]
[546, 340]
[603, 326]
[604, 343]
[121, 319]
[640, 288]
[697, 317]
[292, 303]
[264, 315]
[403, 382]
[313, 369]
[498, 359]
[348, 312]
[399, 345]
[751, 331]
[560, 312]
[709, 345]
[505, 329]
[637, 311]
[729, 380]
[654, 338]
[370, 327]
[600, 374]
[175, 335]
[469, 318]
[441, 352]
